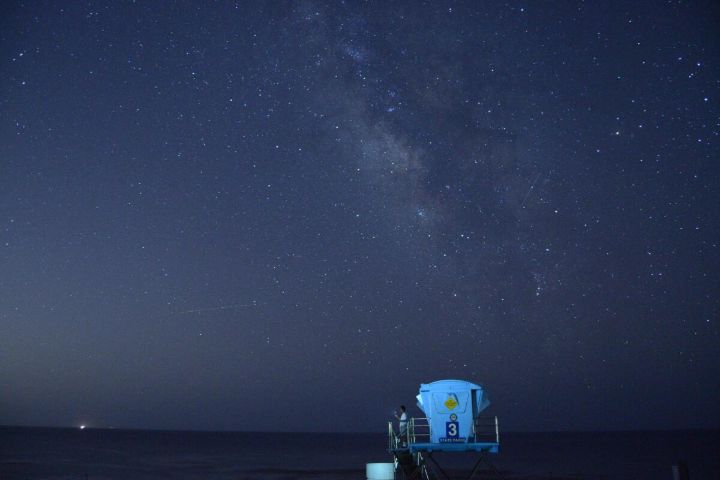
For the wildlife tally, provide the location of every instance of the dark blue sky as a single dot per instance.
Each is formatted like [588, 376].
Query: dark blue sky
[286, 216]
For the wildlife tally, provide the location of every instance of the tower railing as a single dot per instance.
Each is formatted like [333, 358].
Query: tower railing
[416, 431]
[484, 429]
[487, 429]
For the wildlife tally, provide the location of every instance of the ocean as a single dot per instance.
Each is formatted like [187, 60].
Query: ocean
[94, 454]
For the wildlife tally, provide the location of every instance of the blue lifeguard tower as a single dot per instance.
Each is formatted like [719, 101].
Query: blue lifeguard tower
[452, 423]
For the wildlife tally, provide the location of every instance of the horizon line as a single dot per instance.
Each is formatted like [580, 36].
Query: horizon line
[189, 430]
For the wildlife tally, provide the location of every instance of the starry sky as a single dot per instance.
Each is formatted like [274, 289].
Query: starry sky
[287, 215]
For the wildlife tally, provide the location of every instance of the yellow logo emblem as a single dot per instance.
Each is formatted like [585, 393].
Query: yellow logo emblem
[451, 403]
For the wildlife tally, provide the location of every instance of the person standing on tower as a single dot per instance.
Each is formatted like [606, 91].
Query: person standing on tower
[402, 423]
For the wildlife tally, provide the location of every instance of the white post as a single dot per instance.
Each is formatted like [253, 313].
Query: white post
[497, 431]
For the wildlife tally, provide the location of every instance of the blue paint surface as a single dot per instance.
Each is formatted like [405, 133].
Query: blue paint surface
[452, 408]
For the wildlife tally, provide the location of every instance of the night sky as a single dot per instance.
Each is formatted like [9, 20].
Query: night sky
[287, 215]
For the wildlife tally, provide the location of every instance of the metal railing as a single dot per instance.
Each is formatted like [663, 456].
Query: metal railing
[418, 430]
[486, 428]
[418, 427]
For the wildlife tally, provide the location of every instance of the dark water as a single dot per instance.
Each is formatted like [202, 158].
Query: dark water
[35, 453]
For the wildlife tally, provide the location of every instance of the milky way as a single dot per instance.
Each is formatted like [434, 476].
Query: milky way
[248, 216]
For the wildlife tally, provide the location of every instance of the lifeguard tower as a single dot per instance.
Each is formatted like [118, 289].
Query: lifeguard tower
[452, 423]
